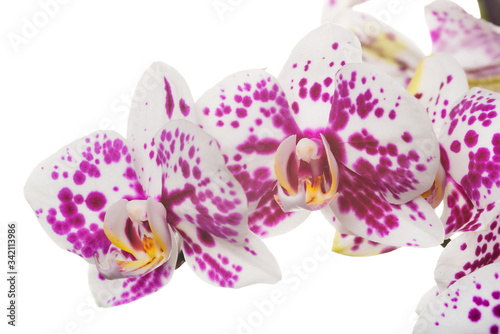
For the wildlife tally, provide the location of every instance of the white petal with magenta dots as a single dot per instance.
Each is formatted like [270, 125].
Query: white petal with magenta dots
[467, 253]
[226, 263]
[308, 76]
[471, 41]
[471, 145]
[161, 95]
[364, 211]
[439, 82]
[381, 132]
[108, 293]
[208, 207]
[247, 113]
[71, 191]
[351, 245]
[471, 305]
[197, 185]
[460, 214]
[383, 46]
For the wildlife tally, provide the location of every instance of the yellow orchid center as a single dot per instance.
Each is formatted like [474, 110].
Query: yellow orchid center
[142, 238]
[307, 174]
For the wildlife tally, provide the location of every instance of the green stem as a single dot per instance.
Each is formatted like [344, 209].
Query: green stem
[490, 10]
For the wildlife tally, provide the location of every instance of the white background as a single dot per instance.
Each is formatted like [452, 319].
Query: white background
[76, 72]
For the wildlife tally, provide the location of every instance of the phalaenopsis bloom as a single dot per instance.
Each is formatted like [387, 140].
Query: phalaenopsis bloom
[135, 208]
[330, 134]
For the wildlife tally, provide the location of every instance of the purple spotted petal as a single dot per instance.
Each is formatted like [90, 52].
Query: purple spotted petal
[473, 42]
[248, 114]
[226, 263]
[308, 76]
[467, 253]
[197, 186]
[333, 8]
[363, 210]
[116, 292]
[383, 46]
[471, 305]
[268, 219]
[459, 214]
[439, 83]
[383, 133]
[351, 245]
[161, 95]
[208, 207]
[71, 190]
[471, 144]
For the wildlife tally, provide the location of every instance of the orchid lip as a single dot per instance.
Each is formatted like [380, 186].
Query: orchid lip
[139, 247]
[307, 174]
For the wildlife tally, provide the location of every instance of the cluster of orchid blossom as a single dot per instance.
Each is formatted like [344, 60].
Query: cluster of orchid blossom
[361, 127]
[458, 86]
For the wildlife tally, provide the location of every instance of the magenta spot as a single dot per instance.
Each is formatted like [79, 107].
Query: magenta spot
[335, 46]
[205, 238]
[184, 107]
[196, 172]
[471, 138]
[241, 112]
[455, 146]
[55, 175]
[78, 199]
[79, 177]
[169, 100]
[247, 101]
[474, 315]
[496, 311]
[407, 137]
[379, 112]
[95, 201]
[315, 91]
[295, 107]
[185, 169]
[392, 114]
[68, 209]
[77, 220]
[65, 195]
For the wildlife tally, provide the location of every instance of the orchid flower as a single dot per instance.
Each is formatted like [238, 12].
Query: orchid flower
[331, 136]
[134, 209]
[474, 43]
[441, 86]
